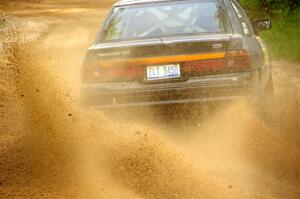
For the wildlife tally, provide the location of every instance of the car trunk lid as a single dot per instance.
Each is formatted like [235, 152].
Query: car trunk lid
[128, 61]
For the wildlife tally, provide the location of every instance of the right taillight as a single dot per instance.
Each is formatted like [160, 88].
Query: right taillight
[233, 60]
[237, 59]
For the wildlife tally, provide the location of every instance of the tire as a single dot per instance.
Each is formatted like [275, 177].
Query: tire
[264, 101]
[270, 87]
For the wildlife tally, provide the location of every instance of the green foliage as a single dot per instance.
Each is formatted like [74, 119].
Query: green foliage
[284, 38]
[250, 3]
[269, 8]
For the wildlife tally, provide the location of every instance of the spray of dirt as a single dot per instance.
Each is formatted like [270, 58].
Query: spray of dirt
[68, 151]
[137, 163]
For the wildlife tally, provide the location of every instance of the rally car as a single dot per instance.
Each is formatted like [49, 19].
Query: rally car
[154, 52]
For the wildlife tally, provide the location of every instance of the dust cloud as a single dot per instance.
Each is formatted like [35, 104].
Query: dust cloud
[53, 147]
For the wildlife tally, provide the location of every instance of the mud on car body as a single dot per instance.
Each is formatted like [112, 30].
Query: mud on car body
[153, 52]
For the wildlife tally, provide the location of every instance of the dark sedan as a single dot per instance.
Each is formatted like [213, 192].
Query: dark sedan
[151, 52]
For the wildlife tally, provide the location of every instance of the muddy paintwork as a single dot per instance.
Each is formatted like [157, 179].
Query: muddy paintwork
[218, 85]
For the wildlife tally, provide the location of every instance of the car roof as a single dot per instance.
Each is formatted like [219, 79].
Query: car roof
[131, 2]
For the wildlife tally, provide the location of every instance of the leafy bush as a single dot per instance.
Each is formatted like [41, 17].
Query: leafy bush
[284, 38]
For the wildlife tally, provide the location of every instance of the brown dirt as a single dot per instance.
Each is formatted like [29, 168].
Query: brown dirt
[51, 147]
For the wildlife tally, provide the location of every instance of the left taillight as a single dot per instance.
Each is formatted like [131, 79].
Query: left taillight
[93, 72]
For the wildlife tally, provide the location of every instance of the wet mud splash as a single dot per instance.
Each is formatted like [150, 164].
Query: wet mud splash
[51, 147]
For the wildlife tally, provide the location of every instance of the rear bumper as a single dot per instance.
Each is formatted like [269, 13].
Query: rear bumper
[200, 89]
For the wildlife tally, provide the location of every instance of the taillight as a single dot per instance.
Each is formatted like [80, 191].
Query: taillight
[233, 60]
[237, 59]
[93, 72]
[204, 66]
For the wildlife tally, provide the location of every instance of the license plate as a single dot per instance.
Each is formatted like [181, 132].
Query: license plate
[163, 72]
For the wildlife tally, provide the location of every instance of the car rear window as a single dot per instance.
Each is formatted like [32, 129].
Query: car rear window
[165, 19]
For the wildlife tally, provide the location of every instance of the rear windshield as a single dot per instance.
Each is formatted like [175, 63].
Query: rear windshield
[165, 19]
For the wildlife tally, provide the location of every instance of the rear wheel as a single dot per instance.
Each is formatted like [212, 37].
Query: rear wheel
[270, 87]
[264, 101]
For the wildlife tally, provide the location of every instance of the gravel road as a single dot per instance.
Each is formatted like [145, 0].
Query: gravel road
[52, 147]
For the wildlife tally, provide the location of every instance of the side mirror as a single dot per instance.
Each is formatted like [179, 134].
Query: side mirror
[262, 25]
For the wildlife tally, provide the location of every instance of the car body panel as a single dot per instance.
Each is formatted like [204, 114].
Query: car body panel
[201, 89]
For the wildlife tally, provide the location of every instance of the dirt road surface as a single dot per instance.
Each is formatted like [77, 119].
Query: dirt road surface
[51, 147]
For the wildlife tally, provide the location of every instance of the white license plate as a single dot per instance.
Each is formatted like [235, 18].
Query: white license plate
[163, 72]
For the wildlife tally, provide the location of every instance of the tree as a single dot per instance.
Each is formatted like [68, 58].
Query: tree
[293, 4]
[270, 6]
